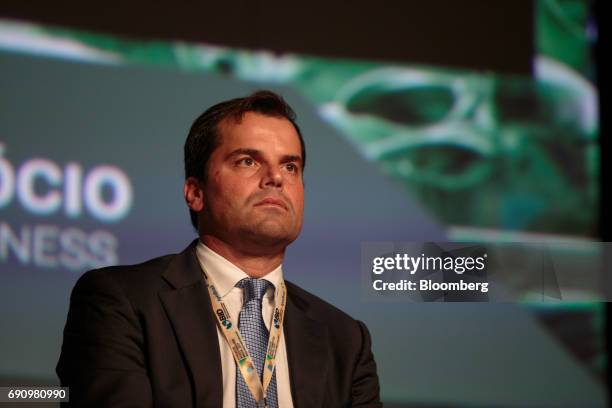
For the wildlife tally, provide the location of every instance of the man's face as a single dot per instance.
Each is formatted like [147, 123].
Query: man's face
[254, 193]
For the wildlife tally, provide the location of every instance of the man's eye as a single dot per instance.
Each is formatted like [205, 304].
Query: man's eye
[292, 167]
[247, 162]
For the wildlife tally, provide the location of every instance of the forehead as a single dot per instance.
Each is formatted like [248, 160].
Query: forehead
[259, 131]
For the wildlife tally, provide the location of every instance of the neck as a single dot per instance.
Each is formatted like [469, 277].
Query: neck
[254, 263]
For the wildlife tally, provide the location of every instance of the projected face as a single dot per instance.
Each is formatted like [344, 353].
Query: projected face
[254, 195]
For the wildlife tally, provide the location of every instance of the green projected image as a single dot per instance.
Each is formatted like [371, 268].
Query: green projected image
[480, 150]
[477, 149]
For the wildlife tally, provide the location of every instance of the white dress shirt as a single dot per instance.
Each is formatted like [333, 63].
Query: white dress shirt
[225, 275]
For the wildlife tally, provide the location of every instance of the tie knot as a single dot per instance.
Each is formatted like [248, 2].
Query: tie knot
[254, 289]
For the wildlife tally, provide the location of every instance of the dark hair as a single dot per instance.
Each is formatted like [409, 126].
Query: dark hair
[204, 136]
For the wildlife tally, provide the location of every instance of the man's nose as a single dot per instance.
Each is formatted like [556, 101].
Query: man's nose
[273, 177]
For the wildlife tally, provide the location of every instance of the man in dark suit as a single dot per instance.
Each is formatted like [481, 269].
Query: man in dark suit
[164, 332]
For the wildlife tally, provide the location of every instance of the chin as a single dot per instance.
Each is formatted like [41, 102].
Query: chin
[272, 232]
[272, 237]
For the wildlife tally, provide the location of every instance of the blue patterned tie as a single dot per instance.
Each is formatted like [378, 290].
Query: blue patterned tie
[255, 335]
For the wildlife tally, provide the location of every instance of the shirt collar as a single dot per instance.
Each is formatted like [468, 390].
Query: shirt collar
[225, 275]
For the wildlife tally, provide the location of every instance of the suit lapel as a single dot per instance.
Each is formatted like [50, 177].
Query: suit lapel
[305, 340]
[190, 312]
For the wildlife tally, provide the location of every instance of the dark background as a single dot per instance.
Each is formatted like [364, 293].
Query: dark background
[480, 34]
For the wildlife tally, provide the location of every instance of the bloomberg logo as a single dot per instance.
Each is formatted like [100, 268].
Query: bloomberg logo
[45, 188]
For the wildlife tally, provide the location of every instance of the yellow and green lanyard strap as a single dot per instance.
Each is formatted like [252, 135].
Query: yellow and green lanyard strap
[238, 346]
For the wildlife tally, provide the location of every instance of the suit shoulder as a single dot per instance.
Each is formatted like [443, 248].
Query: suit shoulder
[125, 277]
[319, 308]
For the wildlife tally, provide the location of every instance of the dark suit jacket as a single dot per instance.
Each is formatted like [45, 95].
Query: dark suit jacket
[145, 335]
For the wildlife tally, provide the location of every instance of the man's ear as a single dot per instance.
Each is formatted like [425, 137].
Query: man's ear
[194, 195]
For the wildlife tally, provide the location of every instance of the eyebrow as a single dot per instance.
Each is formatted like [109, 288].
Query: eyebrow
[288, 158]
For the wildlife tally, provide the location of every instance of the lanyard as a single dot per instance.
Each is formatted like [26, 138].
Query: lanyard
[238, 346]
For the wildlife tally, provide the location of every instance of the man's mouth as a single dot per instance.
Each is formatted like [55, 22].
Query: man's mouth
[272, 202]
